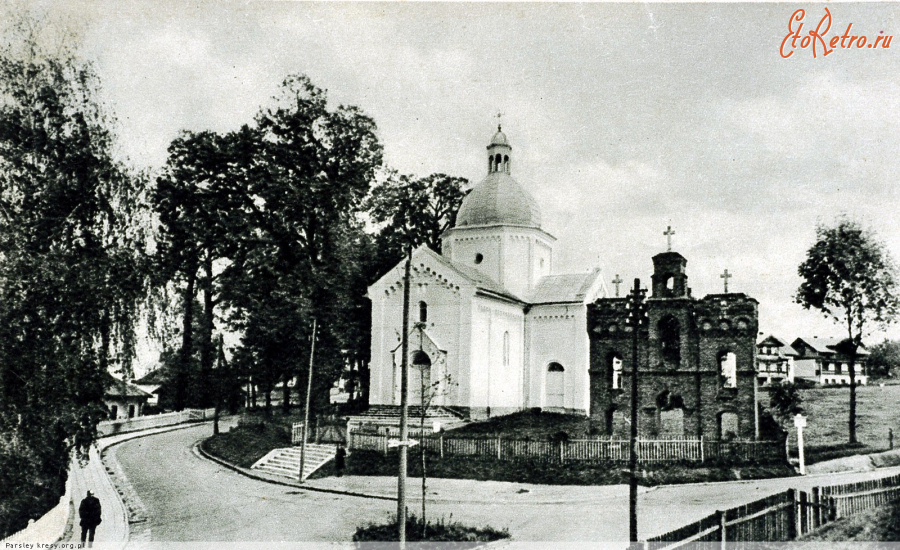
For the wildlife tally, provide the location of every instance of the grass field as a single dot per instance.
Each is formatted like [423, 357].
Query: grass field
[877, 409]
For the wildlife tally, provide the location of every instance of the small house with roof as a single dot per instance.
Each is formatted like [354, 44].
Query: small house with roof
[824, 360]
[123, 400]
[774, 361]
[493, 328]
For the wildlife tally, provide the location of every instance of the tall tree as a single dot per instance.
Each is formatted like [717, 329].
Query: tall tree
[72, 259]
[311, 168]
[851, 278]
[411, 212]
[200, 224]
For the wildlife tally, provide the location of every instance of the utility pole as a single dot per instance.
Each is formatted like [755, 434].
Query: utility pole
[636, 321]
[404, 406]
[312, 353]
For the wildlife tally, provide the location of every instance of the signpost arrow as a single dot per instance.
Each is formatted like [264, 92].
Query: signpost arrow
[398, 443]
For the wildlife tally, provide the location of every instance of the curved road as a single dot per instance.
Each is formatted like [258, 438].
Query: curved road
[189, 498]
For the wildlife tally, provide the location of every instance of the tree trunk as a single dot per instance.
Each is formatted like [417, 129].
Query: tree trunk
[183, 378]
[268, 401]
[206, 356]
[853, 394]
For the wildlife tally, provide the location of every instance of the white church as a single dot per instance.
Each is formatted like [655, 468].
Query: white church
[493, 329]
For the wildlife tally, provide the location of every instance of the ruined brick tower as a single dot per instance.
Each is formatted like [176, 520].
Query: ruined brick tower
[696, 361]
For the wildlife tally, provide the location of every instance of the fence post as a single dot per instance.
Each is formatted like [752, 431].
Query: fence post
[498, 447]
[442, 444]
[792, 514]
[723, 528]
[701, 451]
[817, 507]
[561, 452]
[804, 514]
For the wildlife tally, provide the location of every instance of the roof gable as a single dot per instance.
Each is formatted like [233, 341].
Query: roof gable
[450, 274]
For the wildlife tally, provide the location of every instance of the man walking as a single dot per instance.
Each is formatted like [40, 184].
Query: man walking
[89, 512]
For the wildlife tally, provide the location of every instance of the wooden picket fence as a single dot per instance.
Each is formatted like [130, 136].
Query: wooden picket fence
[585, 450]
[783, 516]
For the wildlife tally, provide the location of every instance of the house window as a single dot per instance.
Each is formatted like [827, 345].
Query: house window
[423, 312]
[728, 369]
[506, 349]
[130, 411]
[113, 412]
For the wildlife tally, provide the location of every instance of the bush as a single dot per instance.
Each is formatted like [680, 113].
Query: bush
[439, 531]
[27, 490]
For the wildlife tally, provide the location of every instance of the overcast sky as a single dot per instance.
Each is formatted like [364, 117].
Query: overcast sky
[623, 118]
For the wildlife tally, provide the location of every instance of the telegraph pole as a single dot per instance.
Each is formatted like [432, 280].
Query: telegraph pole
[404, 405]
[312, 353]
[636, 321]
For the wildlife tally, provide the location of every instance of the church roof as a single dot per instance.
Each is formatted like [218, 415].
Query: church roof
[498, 200]
[480, 280]
[571, 287]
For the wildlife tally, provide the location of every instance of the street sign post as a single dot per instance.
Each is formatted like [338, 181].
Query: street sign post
[800, 423]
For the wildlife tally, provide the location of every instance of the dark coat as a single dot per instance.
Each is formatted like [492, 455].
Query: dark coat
[89, 511]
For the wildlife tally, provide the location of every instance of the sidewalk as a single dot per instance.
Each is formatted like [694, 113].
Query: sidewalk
[856, 463]
[95, 477]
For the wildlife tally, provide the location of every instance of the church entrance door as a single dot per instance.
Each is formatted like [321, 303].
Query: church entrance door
[556, 389]
[419, 373]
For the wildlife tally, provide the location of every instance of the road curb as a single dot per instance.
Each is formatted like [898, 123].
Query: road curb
[198, 450]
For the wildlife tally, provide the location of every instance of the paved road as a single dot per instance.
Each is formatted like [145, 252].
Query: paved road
[192, 499]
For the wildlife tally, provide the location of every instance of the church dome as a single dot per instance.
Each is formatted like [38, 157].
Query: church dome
[498, 200]
[499, 138]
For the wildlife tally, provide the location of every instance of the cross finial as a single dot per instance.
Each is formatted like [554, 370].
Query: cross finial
[617, 281]
[725, 276]
[499, 114]
[668, 233]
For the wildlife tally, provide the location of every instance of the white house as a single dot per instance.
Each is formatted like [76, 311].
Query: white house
[492, 328]
[774, 361]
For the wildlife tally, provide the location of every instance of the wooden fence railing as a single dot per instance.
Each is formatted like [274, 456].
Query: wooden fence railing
[586, 450]
[782, 516]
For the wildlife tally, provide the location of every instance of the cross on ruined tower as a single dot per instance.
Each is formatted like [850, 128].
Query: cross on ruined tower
[499, 114]
[668, 233]
[725, 276]
[617, 281]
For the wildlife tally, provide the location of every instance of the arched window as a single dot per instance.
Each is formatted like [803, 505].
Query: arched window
[498, 160]
[670, 339]
[728, 369]
[506, 163]
[506, 349]
[614, 362]
[423, 312]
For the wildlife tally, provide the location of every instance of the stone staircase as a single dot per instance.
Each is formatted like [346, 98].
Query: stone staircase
[285, 462]
[386, 418]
